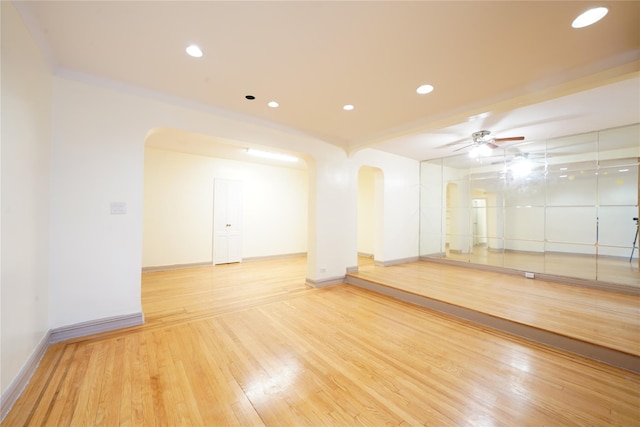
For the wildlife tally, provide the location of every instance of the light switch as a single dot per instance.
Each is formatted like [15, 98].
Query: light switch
[118, 208]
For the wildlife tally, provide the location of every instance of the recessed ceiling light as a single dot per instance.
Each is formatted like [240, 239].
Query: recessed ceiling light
[194, 51]
[273, 104]
[348, 107]
[424, 89]
[589, 17]
[623, 170]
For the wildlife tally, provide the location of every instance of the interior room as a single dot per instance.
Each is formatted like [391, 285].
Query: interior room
[312, 213]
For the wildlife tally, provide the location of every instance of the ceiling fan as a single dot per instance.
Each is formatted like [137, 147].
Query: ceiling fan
[483, 138]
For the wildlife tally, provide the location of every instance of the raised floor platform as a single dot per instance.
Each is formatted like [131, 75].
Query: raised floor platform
[598, 324]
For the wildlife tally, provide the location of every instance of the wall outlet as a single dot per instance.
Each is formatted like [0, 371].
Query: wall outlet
[529, 275]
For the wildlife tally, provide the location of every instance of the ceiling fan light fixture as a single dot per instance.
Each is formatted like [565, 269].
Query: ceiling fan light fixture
[589, 17]
[482, 150]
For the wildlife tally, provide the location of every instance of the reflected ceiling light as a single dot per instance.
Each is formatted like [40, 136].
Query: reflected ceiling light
[623, 170]
[424, 89]
[589, 17]
[521, 168]
[271, 155]
[563, 176]
[348, 107]
[194, 50]
[273, 104]
[482, 150]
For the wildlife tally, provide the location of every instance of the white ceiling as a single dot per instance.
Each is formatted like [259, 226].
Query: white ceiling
[519, 61]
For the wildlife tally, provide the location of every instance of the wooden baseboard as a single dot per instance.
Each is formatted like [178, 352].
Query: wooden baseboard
[96, 326]
[15, 389]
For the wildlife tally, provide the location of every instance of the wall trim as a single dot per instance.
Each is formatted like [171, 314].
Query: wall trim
[325, 282]
[274, 257]
[586, 283]
[397, 261]
[365, 255]
[17, 386]
[95, 327]
[352, 270]
[170, 267]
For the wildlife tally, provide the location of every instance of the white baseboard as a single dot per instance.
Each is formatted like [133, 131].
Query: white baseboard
[156, 268]
[274, 257]
[397, 261]
[325, 282]
[17, 386]
[96, 326]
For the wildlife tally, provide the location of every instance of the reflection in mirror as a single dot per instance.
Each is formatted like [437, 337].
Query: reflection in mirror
[562, 207]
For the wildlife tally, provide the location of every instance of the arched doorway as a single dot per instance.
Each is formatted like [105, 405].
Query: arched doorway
[370, 214]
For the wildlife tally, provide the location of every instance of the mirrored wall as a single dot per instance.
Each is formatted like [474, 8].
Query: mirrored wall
[563, 207]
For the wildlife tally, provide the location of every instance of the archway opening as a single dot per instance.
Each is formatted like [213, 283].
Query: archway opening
[370, 215]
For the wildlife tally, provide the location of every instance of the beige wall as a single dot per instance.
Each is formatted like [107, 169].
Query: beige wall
[178, 207]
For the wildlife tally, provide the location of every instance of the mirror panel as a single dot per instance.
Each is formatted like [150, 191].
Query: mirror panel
[563, 206]
[571, 260]
[525, 256]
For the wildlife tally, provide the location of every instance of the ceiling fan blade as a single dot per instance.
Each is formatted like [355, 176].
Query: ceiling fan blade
[466, 146]
[512, 138]
[492, 145]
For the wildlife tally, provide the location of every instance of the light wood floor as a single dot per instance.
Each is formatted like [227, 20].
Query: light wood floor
[249, 344]
[595, 316]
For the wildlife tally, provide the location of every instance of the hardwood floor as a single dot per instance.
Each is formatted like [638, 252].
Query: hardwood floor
[250, 344]
[595, 316]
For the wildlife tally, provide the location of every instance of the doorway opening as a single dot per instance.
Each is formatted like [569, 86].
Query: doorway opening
[370, 215]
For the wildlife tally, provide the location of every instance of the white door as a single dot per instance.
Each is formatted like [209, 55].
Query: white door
[227, 221]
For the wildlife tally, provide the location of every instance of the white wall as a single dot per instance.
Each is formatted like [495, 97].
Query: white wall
[26, 136]
[401, 199]
[178, 207]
